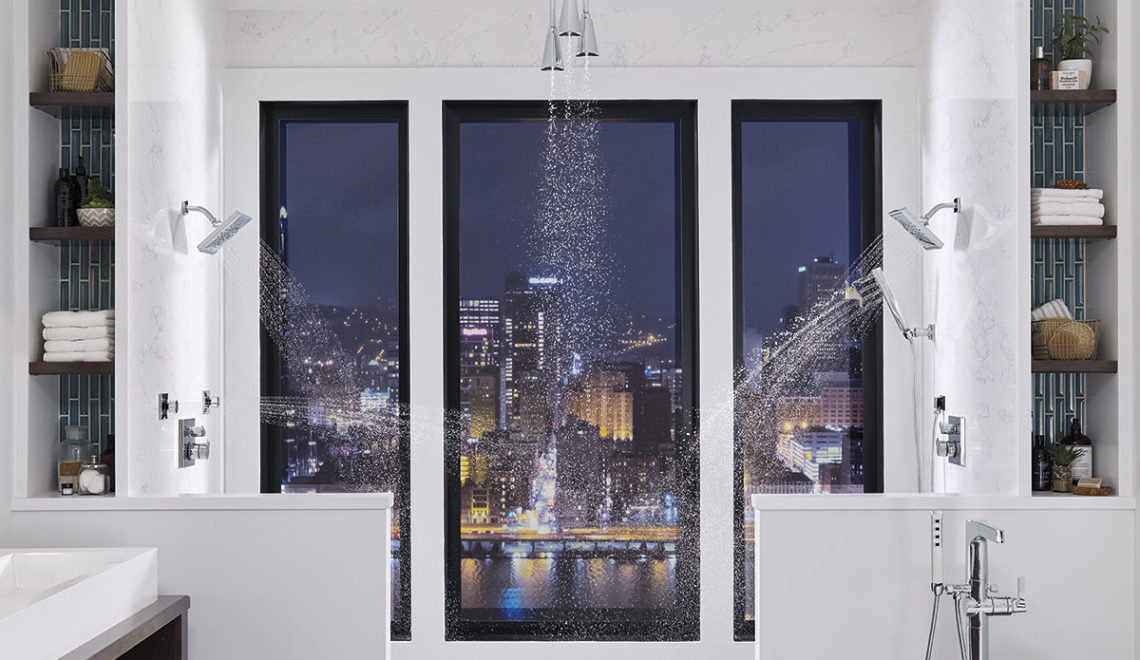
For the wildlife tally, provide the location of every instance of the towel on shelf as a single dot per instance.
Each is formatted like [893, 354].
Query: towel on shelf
[79, 356]
[1095, 209]
[1054, 309]
[1064, 194]
[1067, 220]
[72, 334]
[79, 319]
[79, 345]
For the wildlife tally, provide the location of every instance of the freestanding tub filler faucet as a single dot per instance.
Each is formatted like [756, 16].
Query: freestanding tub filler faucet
[980, 603]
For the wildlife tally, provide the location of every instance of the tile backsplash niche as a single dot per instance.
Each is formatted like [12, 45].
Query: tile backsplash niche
[87, 268]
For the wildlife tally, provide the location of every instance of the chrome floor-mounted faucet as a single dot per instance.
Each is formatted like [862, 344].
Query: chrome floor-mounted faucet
[974, 599]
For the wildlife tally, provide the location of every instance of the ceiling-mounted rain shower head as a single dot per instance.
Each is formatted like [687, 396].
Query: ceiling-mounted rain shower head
[571, 23]
[552, 52]
[588, 42]
[222, 232]
[920, 227]
[893, 306]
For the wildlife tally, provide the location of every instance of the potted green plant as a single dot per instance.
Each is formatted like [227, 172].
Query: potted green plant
[98, 209]
[1063, 457]
[1071, 39]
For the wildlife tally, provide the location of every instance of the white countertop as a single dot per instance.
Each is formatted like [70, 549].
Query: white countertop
[915, 501]
[236, 502]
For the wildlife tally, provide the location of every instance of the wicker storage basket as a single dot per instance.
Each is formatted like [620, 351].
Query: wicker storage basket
[80, 70]
[1065, 339]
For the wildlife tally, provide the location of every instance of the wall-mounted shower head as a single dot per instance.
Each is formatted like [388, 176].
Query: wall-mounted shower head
[896, 312]
[920, 227]
[222, 232]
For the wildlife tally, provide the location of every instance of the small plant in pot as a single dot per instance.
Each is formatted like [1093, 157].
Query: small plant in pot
[1071, 40]
[98, 209]
[1063, 457]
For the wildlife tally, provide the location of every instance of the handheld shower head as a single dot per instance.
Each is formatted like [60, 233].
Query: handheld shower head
[896, 312]
[222, 232]
[889, 298]
[920, 227]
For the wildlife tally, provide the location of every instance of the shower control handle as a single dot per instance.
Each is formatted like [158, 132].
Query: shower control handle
[192, 443]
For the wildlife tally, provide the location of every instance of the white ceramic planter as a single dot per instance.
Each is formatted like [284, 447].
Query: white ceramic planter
[1085, 65]
[96, 217]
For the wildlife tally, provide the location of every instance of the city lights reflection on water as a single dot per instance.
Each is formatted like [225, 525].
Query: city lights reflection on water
[519, 582]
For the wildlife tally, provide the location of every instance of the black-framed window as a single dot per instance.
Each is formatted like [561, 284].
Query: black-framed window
[571, 371]
[334, 313]
[806, 216]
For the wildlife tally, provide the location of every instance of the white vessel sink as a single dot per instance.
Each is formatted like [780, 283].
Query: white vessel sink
[52, 601]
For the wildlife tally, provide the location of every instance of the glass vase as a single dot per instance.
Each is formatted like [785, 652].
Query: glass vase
[1062, 479]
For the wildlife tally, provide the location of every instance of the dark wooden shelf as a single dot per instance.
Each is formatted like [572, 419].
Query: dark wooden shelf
[68, 368]
[55, 234]
[67, 105]
[1074, 366]
[158, 630]
[1073, 231]
[1068, 101]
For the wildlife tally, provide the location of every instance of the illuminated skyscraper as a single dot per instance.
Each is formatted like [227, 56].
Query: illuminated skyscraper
[531, 340]
[602, 398]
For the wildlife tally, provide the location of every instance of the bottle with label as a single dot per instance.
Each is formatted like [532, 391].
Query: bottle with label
[1083, 466]
[1039, 70]
[64, 194]
[81, 182]
[1042, 466]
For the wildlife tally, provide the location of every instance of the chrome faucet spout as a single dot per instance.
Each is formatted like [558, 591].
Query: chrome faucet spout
[981, 529]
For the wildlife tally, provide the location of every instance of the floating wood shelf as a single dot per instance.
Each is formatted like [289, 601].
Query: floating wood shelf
[1069, 101]
[66, 105]
[68, 368]
[1074, 366]
[55, 234]
[1073, 231]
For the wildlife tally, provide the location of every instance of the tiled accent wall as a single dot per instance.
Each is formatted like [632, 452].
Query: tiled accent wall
[86, 268]
[1058, 264]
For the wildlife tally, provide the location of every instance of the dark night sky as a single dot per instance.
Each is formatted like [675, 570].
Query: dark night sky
[501, 169]
[341, 191]
[795, 208]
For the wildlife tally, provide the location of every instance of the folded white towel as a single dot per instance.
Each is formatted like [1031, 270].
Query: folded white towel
[79, 319]
[71, 334]
[79, 356]
[1054, 309]
[1066, 194]
[1094, 209]
[79, 345]
[1067, 220]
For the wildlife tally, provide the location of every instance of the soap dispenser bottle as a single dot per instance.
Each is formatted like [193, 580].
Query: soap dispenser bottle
[1039, 70]
[65, 194]
[1083, 466]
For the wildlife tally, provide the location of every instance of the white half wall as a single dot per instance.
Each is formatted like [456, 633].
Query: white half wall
[285, 576]
[863, 576]
[172, 339]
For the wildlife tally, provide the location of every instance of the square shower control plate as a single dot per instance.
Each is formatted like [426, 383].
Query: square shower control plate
[957, 439]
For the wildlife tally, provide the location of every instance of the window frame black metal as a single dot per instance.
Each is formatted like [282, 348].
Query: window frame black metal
[681, 623]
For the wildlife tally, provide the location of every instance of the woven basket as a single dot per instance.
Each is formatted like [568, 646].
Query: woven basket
[80, 70]
[1065, 339]
[96, 217]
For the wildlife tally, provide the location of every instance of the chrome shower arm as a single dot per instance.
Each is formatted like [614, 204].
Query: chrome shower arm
[187, 207]
[956, 205]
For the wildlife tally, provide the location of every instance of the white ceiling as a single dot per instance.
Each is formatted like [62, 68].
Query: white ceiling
[269, 5]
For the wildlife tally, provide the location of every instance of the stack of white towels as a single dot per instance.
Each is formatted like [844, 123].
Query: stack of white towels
[79, 336]
[1058, 206]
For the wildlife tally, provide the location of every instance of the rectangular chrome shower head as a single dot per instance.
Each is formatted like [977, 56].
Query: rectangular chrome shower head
[918, 228]
[223, 232]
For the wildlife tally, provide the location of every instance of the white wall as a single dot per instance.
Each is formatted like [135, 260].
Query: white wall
[975, 146]
[172, 126]
[856, 583]
[7, 268]
[773, 33]
[268, 576]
